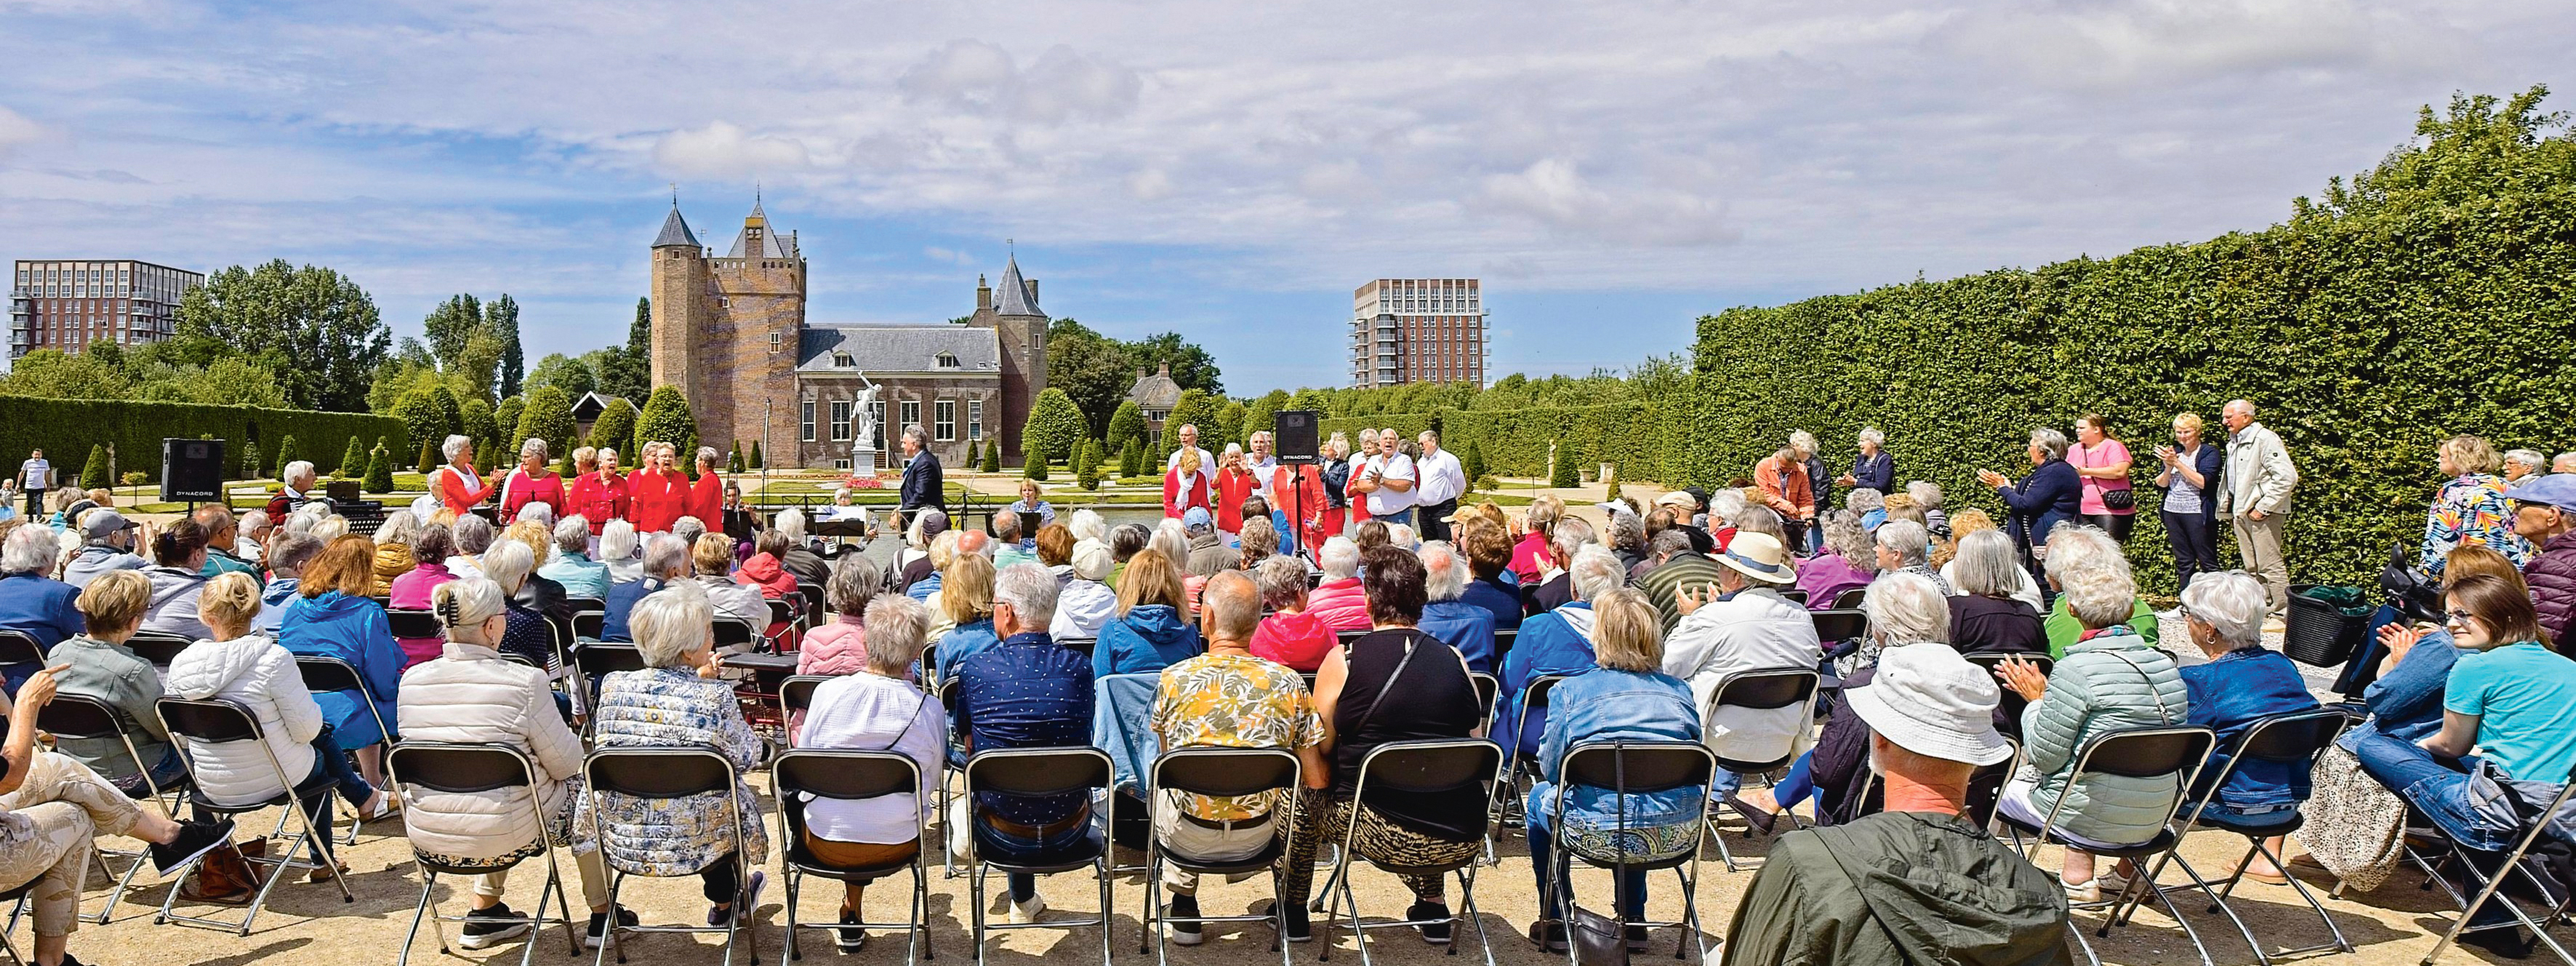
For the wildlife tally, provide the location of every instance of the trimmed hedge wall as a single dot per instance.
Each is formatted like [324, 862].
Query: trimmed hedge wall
[2429, 298]
[66, 429]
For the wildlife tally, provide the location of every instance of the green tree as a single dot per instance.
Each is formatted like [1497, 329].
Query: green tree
[54, 374]
[421, 416]
[993, 456]
[502, 318]
[316, 330]
[1086, 472]
[757, 462]
[974, 453]
[667, 419]
[478, 368]
[1125, 425]
[94, 473]
[1230, 427]
[1262, 414]
[1131, 457]
[1033, 465]
[1473, 463]
[1195, 408]
[1193, 367]
[287, 451]
[250, 465]
[1093, 369]
[1561, 473]
[628, 371]
[733, 460]
[572, 375]
[547, 416]
[450, 326]
[428, 461]
[475, 416]
[449, 409]
[353, 461]
[506, 415]
[1054, 426]
[228, 381]
[1611, 482]
[380, 469]
[615, 429]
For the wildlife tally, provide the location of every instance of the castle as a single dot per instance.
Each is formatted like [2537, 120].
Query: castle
[731, 333]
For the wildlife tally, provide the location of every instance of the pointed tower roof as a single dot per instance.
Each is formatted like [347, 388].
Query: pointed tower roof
[675, 230]
[769, 246]
[1013, 297]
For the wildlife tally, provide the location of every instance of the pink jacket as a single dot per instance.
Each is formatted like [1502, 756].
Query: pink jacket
[1340, 604]
[840, 647]
[411, 591]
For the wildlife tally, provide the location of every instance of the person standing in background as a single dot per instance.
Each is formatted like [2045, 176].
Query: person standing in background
[1819, 479]
[1873, 468]
[2102, 466]
[1443, 481]
[1388, 480]
[2190, 510]
[35, 476]
[2256, 499]
[707, 495]
[924, 486]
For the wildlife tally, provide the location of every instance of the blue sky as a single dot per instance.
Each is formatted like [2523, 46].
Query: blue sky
[1229, 171]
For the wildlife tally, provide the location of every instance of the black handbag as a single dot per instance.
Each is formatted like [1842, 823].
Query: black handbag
[1601, 940]
[2124, 498]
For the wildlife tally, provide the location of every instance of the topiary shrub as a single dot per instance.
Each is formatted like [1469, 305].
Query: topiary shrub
[975, 453]
[733, 460]
[1035, 468]
[993, 456]
[1611, 482]
[380, 469]
[428, 460]
[1126, 425]
[1055, 426]
[756, 462]
[94, 472]
[250, 468]
[1473, 462]
[1561, 472]
[353, 461]
[667, 419]
[1131, 457]
[286, 452]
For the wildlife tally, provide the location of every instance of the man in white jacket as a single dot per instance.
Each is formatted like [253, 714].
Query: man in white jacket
[1743, 625]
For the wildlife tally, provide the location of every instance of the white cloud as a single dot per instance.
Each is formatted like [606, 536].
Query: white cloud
[722, 150]
[1060, 86]
[951, 256]
[17, 131]
[1553, 193]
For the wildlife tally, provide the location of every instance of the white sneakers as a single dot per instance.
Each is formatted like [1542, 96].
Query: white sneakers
[1028, 912]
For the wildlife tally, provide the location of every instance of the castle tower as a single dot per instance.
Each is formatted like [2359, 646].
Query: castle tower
[1011, 310]
[727, 330]
[680, 306]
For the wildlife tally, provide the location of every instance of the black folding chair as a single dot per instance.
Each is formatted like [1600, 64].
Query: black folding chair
[797, 694]
[1417, 767]
[579, 604]
[1851, 598]
[1762, 689]
[588, 626]
[1794, 595]
[192, 724]
[1487, 688]
[812, 597]
[1504, 638]
[80, 717]
[1348, 638]
[1524, 757]
[2294, 739]
[598, 660]
[802, 776]
[16, 897]
[2176, 752]
[158, 647]
[664, 774]
[1034, 772]
[414, 624]
[468, 769]
[2490, 886]
[734, 632]
[1079, 645]
[1635, 768]
[952, 757]
[1221, 773]
[330, 675]
[1990, 660]
[1838, 625]
[17, 647]
[782, 612]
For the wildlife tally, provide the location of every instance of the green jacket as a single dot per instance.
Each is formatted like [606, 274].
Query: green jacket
[125, 681]
[1903, 889]
[2063, 628]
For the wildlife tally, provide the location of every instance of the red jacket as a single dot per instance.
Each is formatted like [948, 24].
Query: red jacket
[599, 497]
[706, 501]
[457, 491]
[763, 571]
[519, 489]
[1341, 604]
[1321, 521]
[1174, 504]
[1232, 489]
[657, 500]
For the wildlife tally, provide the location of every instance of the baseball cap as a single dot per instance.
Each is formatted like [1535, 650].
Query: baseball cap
[1197, 519]
[1679, 498]
[102, 522]
[2552, 489]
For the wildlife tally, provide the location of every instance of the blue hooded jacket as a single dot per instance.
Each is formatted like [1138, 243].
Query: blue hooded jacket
[353, 630]
[1144, 640]
[1556, 642]
[965, 641]
[1465, 627]
[2228, 694]
[40, 607]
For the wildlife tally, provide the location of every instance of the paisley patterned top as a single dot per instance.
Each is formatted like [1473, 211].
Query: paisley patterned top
[666, 708]
[2471, 509]
[1235, 701]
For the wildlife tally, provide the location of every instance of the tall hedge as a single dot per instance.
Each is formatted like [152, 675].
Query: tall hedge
[135, 429]
[1055, 426]
[2427, 298]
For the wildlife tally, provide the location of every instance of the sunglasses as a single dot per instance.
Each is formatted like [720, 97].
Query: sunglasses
[2457, 618]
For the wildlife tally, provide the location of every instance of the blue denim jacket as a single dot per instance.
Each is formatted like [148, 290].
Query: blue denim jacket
[2227, 695]
[1603, 705]
[2406, 704]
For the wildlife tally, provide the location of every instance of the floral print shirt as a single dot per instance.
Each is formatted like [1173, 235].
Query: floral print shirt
[665, 708]
[1235, 701]
[2471, 509]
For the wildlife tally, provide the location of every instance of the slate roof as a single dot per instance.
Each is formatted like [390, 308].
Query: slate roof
[1157, 390]
[675, 231]
[875, 349]
[1013, 299]
[772, 244]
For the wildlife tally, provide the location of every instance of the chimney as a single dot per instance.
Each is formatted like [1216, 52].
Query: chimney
[1166, 370]
[983, 294]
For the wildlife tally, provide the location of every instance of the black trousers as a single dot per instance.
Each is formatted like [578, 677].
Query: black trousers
[2117, 525]
[1431, 520]
[35, 503]
[2194, 538]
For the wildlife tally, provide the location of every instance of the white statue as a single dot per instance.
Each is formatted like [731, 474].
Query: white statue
[863, 425]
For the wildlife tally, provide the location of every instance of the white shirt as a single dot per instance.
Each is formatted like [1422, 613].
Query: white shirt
[1384, 501]
[1262, 471]
[1753, 630]
[865, 712]
[1207, 466]
[1442, 478]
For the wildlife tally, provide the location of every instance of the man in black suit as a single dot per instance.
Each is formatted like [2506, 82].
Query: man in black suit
[923, 486]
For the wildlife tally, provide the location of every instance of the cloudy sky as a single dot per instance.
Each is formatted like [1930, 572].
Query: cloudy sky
[1229, 170]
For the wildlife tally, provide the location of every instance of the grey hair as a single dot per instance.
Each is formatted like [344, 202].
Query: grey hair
[1726, 505]
[853, 583]
[791, 523]
[541, 513]
[455, 444]
[29, 550]
[1907, 608]
[1986, 565]
[508, 563]
[1340, 559]
[1006, 525]
[1569, 537]
[292, 551]
[297, 470]
[472, 600]
[2245, 404]
[617, 541]
[1595, 572]
[665, 556]
[1030, 589]
[670, 623]
[1444, 571]
[572, 534]
[253, 521]
[1174, 541]
[536, 446]
[1926, 494]
[689, 528]
[2527, 457]
[915, 433]
[1803, 441]
[895, 626]
[1231, 449]
[2049, 441]
[1847, 540]
[1673, 542]
[2231, 603]
[1911, 543]
[1282, 578]
[1402, 537]
[1865, 499]
[2088, 567]
[1087, 525]
[473, 535]
[1627, 532]
[1871, 436]
[402, 528]
[929, 520]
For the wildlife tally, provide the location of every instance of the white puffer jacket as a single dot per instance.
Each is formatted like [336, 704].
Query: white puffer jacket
[472, 696]
[259, 675]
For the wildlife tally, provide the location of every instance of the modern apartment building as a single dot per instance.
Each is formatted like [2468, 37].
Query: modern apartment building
[1417, 330]
[67, 304]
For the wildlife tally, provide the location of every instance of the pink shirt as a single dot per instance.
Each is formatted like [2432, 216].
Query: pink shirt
[2111, 452]
[1298, 640]
[411, 591]
[840, 647]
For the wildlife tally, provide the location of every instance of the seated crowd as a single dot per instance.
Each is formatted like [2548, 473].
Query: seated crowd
[1961, 702]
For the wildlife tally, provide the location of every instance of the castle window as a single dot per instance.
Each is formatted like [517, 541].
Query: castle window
[945, 425]
[776, 339]
[840, 420]
[911, 412]
[806, 425]
[947, 361]
[974, 419]
[843, 360]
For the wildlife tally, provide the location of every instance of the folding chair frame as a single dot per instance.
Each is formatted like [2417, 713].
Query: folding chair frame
[2189, 777]
[733, 926]
[1156, 856]
[791, 831]
[1561, 878]
[2255, 846]
[977, 868]
[1508, 792]
[427, 907]
[1465, 912]
[2490, 887]
[294, 811]
[166, 799]
[303, 661]
[1717, 699]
